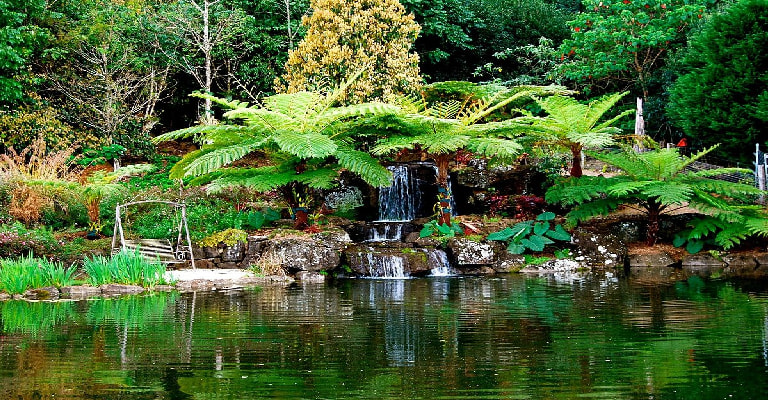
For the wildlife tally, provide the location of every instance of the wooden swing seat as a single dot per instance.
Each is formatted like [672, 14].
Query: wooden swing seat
[154, 249]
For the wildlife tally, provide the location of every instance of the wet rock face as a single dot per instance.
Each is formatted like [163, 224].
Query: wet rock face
[319, 252]
[381, 261]
[465, 252]
[598, 250]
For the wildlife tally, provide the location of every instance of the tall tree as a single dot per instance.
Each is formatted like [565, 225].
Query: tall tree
[19, 36]
[345, 36]
[112, 79]
[192, 33]
[623, 43]
[722, 95]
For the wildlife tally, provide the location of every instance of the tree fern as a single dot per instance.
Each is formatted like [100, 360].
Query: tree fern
[658, 181]
[304, 133]
[572, 126]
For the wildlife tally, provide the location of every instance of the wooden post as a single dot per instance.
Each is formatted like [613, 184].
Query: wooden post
[760, 172]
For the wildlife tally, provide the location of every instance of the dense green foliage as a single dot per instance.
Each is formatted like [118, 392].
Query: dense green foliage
[346, 37]
[659, 182]
[722, 95]
[20, 36]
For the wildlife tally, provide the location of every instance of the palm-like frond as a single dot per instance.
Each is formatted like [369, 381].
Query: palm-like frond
[365, 166]
[659, 179]
[305, 144]
[215, 158]
[499, 150]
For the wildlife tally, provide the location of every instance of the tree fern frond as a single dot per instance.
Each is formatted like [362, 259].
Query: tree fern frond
[501, 150]
[224, 103]
[299, 106]
[335, 114]
[263, 119]
[598, 108]
[222, 156]
[668, 192]
[441, 142]
[305, 145]
[199, 129]
[393, 144]
[587, 211]
[322, 178]
[365, 166]
[702, 227]
[444, 109]
[578, 190]
[626, 188]
[261, 179]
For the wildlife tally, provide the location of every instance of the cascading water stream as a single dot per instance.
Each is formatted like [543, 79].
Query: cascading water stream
[399, 201]
[438, 260]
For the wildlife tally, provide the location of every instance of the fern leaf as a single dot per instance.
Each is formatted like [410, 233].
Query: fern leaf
[305, 145]
[668, 192]
[219, 157]
[362, 164]
[587, 211]
[503, 150]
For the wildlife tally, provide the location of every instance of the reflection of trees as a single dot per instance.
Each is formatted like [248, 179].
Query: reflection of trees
[503, 337]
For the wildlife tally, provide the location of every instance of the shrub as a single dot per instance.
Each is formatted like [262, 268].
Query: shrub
[229, 237]
[16, 239]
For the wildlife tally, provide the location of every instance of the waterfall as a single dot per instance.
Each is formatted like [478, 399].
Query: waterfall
[399, 201]
[438, 260]
[380, 232]
[382, 265]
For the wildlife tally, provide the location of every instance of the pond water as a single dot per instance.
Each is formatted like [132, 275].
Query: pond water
[510, 337]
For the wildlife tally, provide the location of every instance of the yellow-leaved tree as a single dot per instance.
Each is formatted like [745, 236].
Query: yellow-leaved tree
[346, 36]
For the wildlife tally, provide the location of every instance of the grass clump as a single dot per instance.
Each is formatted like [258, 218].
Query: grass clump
[27, 272]
[127, 267]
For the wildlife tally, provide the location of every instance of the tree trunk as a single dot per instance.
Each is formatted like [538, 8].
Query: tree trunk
[443, 192]
[654, 211]
[576, 170]
[207, 51]
[639, 119]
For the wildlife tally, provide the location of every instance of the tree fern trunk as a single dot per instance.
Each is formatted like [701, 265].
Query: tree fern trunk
[654, 211]
[444, 193]
[576, 170]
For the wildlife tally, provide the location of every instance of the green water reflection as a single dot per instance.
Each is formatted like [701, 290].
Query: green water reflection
[451, 338]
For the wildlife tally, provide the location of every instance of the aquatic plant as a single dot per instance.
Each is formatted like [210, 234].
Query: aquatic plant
[19, 275]
[127, 267]
[532, 235]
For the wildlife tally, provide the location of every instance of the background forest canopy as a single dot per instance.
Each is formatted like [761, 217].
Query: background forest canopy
[91, 73]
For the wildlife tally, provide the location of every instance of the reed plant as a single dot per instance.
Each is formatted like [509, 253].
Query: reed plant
[98, 269]
[22, 274]
[56, 274]
[127, 267]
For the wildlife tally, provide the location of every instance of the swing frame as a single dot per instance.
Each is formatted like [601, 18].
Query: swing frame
[151, 248]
